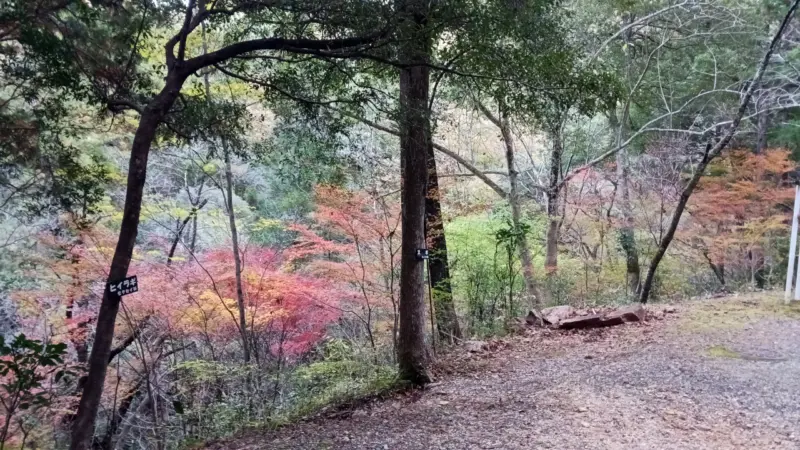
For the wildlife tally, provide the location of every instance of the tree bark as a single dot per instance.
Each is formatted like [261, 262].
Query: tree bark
[552, 194]
[514, 199]
[717, 268]
[627, 233]
[627, 230]
[179, 232]
[412, 352]
[438, 266]
[763, 130]
[152, 115]
[237, 260]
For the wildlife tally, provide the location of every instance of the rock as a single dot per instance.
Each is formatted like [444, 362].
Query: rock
[556, 314]
[629, 313]
[577, 323]
[612, 320]
[475, 346]
[534, 318]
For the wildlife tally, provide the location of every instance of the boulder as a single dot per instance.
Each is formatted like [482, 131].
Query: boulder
[629, 313]
[554, 315]
[577, 323]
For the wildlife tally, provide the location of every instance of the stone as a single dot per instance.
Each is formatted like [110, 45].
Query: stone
[534, 318]
[554, 315]
[577, 323]
[629, 313]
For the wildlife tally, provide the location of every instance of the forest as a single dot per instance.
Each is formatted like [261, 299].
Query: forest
[221, 215]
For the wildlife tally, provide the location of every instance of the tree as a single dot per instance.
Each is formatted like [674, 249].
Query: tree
[355, 240]
[414, 124]
[713, 148]
[438, 264]
[26, 368]
[179, 67]
[736, 209]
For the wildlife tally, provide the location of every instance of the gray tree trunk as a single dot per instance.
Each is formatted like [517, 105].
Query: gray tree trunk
[553, 194]
[237, 260]
[514, 199]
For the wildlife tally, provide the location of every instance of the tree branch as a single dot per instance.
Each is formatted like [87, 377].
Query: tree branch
[467, 165]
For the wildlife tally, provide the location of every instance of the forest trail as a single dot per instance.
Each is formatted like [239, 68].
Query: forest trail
[717, 374]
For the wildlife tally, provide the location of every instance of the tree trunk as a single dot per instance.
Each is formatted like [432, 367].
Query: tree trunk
[237, 260]
[514, 197]
[627, 234]
[553, 218]
[179, 232]
[627, 230]
[717, 268]
[438, 267]
[763, 130]
[412, 352]
[712, 153]
[644, 295]
[152, 115]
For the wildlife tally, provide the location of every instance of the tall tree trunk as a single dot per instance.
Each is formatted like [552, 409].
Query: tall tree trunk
[514, 200]
[438, 267]
[152, 115]
[627, 230]
[627, 227]
[552, 194]
[412, 352]
[237, 260]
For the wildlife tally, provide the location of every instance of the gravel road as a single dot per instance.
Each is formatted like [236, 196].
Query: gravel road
[716, 374]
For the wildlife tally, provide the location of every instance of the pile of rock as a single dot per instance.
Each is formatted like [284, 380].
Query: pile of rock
[566, 317]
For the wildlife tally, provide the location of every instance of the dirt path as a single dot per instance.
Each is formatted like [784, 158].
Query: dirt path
[722, 374]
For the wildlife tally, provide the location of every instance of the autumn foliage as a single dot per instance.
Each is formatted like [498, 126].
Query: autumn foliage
[742, 203]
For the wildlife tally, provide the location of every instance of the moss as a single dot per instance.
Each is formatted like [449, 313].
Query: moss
[736, 313]
[720, 351]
